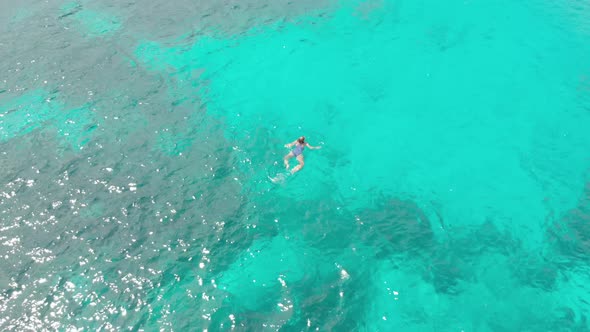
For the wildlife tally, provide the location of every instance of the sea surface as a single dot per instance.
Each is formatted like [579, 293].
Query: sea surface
[451, 193]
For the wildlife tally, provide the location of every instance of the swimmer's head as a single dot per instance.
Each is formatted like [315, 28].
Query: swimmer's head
[301, 140]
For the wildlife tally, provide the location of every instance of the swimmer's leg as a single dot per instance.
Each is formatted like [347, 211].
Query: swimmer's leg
[300, 166]
[286, 159]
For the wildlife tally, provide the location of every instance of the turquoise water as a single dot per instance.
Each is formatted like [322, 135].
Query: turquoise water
[451, 192]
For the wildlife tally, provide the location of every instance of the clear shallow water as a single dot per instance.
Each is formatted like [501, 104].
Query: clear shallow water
[450, 194]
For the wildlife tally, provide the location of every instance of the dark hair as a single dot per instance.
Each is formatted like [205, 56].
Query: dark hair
[301, 140]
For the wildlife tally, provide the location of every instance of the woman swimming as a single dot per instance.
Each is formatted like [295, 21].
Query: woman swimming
[297, 152]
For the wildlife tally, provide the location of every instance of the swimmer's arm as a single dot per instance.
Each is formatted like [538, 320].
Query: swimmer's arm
[290, 144]
[313, 147]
